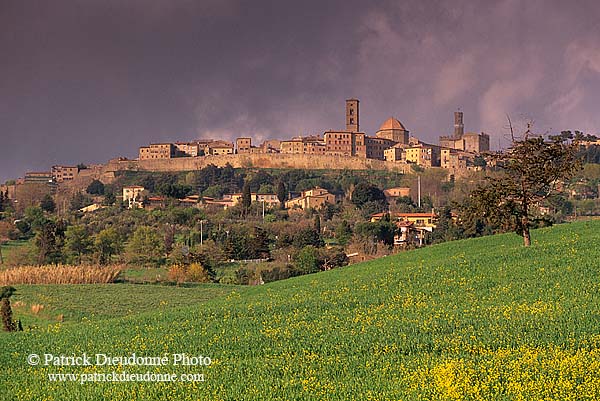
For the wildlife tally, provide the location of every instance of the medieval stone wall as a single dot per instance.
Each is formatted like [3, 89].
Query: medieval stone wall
[272, 160]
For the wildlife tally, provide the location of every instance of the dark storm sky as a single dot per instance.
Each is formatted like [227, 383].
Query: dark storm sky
[85, 81]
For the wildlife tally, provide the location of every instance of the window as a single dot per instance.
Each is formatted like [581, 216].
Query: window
[351, 121]
[351, 112]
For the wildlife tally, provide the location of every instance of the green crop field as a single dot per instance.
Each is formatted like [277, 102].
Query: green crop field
[80, 302]
[11, 246]
[482, 319]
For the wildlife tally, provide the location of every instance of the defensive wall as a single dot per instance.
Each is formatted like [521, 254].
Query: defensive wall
[270, 160]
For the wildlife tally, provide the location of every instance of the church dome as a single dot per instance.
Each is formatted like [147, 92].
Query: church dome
[391, 123]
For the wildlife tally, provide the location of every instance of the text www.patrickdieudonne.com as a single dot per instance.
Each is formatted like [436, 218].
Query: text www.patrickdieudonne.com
[119, 377]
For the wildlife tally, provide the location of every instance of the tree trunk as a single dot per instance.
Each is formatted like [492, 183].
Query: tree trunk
[526, 235]
[525, 216]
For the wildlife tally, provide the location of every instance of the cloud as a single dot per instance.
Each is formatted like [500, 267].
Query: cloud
[455, 78]
[582, 56]
[510, 95]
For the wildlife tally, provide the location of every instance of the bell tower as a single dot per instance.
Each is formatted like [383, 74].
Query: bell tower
[459, 126]
[352, 115]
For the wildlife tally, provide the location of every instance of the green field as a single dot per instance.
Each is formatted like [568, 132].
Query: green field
[9, 247]
[482, 319]
[77, 303]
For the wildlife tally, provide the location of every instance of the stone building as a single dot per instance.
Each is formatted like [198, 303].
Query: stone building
[352, 115]
[64, 173]
[375, 147]
[469, 142]
[476, 143]
[453, 159]
[311, 199]
[303, 145]
[38, 177]
[219, 148]
[393, 130]
[395, 153]
[345, 143]
[397, 192]
[423, 155]
[158, 151]
[132, 196]
[243, 145]
[191, 149]
[271, 146]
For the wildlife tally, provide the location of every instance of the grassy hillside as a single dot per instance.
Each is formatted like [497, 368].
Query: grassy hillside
[482, 319]
[76, 303]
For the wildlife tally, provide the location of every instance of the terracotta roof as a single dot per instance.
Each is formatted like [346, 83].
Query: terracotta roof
[404, 224]
[414, 215]
[392, 123]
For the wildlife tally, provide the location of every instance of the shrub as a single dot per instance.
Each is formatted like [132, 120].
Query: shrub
[307, 260]
[198, 274]
[177, 274]
[194, 272]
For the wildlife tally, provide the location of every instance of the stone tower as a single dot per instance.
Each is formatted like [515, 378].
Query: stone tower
[352, 115]
[459, 127]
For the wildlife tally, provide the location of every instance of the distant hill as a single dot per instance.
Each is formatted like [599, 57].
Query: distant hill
[476, 319]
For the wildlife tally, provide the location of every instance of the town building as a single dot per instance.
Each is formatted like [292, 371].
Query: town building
[303, 145]
[38, 177]
[268, 199]
[64, 173]
[345, 143]
[190, 149]
[422, 155]
[91, 208]
[469, 142]
[271, 146]
[311, 199]
[476, 142]
[453, 159]
[219, 148]
[397, 192]
[221, 203]
[158, 151]
[132, 196]
[190, 201]
[422, 220]
[376, 147]
[395, 153]
[243, 145]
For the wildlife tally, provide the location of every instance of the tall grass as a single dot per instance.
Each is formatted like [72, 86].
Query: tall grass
[60, 274]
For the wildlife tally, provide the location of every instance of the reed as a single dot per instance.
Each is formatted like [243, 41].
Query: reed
[60, 274]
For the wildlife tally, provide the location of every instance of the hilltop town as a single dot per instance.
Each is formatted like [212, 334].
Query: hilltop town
[392, 148]
[392, 143]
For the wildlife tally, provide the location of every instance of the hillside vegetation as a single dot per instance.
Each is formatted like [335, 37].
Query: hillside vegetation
[480, 319]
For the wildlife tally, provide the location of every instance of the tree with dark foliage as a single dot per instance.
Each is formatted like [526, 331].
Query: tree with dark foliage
[528, 173]
[6, 311]
[246, 198]
[281, 194]
[47, 204]
[96, 187]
